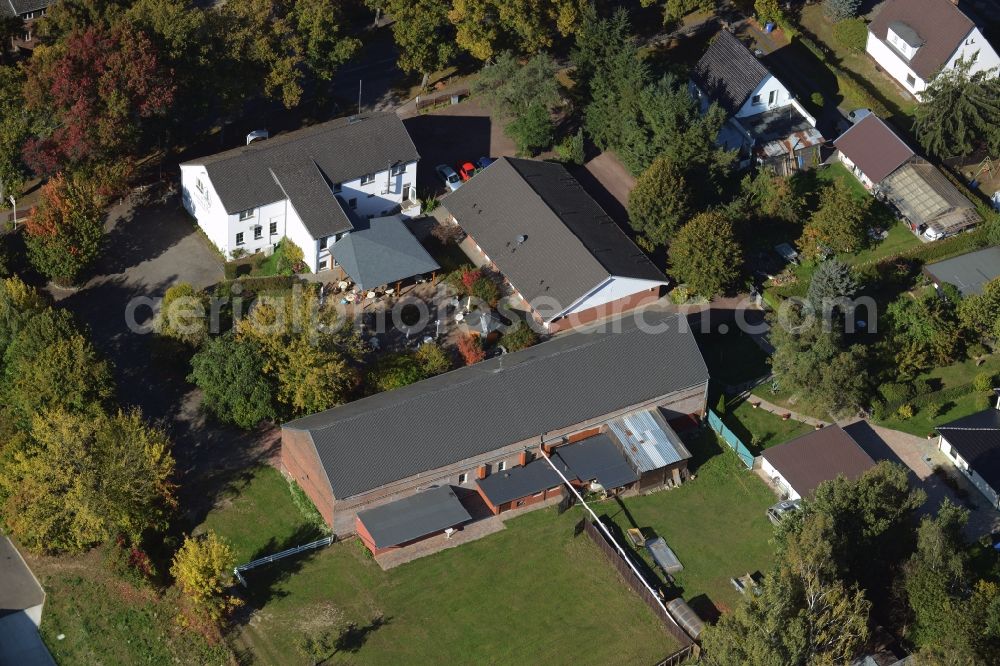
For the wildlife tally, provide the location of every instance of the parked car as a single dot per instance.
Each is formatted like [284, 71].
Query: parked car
[466, 170]
[448, 175]
[777, 512]
[857, 115]
[930, 233]
[484, 162]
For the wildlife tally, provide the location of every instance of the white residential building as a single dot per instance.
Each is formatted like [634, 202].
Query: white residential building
[313, 186]
[915, 40]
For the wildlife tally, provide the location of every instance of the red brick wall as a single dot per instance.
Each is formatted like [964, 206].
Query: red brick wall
[300, 461]
[614, 308]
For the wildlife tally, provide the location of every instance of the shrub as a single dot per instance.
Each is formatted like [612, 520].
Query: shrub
[485, 290]
[983, 382]
[433, 358]
[976, 350]
[905, 411]
[470, 347]
[720, 407]
[428, 204]
[895, 393]
[532, 130]
[852, 34]
[839, 10]
[933, 409]
[817, 100]
[202, 568]
[879, 410]
[183, 315]
[520, 336]
[571, 149]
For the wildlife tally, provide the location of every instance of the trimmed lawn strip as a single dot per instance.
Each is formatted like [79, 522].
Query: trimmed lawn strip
[770, 429]
[922, 424]
[534, 578]
[715, 524]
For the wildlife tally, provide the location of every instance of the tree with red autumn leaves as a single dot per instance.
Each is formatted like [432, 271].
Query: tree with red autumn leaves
[94, 88]
[64, 234]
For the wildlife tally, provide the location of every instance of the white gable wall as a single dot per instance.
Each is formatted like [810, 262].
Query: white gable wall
[379, 197]
[204, 206]
[974, 43]
[773, 95]
[775, 476]
[612, 289]
[297, 233]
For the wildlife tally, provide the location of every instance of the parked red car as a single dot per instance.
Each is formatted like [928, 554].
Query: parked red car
[466, 170]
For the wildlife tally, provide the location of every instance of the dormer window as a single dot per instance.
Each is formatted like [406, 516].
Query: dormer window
[367, 178]
[247, 214]
[904, 39]
[336, 188]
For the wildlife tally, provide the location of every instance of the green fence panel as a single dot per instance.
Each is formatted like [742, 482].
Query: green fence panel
[734, 442]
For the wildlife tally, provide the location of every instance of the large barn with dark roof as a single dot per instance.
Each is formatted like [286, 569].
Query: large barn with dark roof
[479, 428]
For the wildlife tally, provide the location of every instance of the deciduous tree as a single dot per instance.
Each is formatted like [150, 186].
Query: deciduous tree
[980, 313]
[705, 254]
[230, 374]
[184, 315]
[659, 202]
[81, 480]
[203, 568]
[532, 131]
[485, 27]
[841, 223]
[18, 303]
[423, 34]
[65, 234]
[14, 131]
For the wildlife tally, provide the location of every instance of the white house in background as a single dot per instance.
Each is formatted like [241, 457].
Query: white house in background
[765, 120]
[311, 186]
[796, 468]
[915, 40]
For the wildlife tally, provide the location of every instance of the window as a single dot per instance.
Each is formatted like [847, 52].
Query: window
[322, 242]
[371, 195]
[502, 465]
[519, 503]
[322, 265]
[367, 178]
[239, 238]
[273, 229]
[463, 478]
[258, 232]
[772, 96]
[910, 81]
[28, 16]
[336, 188]
[353, 203]
[27, 36]
[398, 169]
[755, 99]
[246, 214]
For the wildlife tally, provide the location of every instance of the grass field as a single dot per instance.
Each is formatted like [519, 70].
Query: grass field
[526, 594]
[106, 621]
[768, 429]
[715, 524]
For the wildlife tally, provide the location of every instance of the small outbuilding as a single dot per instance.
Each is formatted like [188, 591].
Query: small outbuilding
[597, 460]
[968, 272]
[520, 486]
[411, 519]
[796, 468]
[381, 251]
[972, 444]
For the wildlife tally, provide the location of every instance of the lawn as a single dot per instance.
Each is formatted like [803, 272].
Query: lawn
[732, 357]
[860, 64]
[715, 524]
[524, 595]
[103, 620]
[760, 429]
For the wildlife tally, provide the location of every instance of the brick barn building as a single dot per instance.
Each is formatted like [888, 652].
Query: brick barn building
[561, 253]
[481, 429]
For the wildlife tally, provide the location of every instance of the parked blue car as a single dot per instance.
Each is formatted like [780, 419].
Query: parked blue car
[484, 162]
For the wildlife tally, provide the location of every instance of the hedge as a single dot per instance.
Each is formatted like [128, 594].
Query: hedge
[921, 401]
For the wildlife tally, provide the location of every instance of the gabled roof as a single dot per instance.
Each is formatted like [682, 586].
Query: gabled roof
[19, 7]
[307, 162]
[938, 26]
[412, 517]
[380, 251]
[977, 440]
[874, 148]
[19, 589]
[969, 272]
[544, 232]
[728, 73]
[480, 408]
[925, 196]
[822, 455]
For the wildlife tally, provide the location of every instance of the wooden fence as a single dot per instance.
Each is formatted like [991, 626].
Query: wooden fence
[424, 103]
[638, 587]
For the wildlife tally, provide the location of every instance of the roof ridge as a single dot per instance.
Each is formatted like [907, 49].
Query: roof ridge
[473, 376]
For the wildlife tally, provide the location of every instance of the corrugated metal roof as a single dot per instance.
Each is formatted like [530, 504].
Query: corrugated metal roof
[480, 408]
[648, 440]
[925, 196]
[412, 517]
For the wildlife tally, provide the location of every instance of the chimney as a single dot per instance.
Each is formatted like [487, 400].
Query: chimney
[481, 472]
[522, 460]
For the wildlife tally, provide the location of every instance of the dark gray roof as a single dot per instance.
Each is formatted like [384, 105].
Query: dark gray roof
[412, 517]
[598, 457]
[380, 251]
[544, 232]
[19, 7]
[874, 148]
[19, 590]
[322, 155]
[977, 439]
[822, 455]
[521, 481]
[322, 213]
[969, 272]
[480, 408]
[728, 73]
